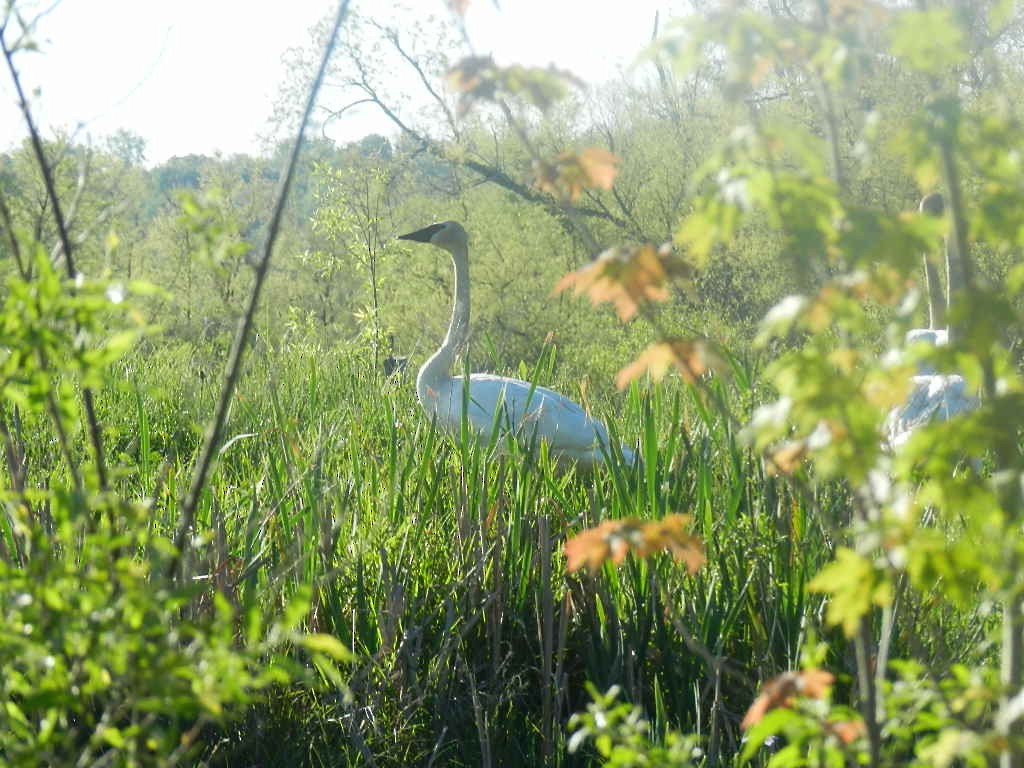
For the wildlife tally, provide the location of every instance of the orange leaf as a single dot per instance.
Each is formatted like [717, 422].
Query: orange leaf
[474, 78]
[570, 173]
[623, 276]
[814, 683]
[846, 731]
[614, 539]
[691, 358]
[588, 548]
[600, 167]
[786, 459]
[779, 692]
[671, 533]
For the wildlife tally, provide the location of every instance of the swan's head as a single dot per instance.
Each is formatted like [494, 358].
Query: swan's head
[444, 235]
[932, 204]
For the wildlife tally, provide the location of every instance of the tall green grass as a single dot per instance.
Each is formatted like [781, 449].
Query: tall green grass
[439, 562]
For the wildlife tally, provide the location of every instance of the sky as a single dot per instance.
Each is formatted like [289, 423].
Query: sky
[201, 76]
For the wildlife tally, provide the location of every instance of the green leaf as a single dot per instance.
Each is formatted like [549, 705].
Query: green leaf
[329, 645]
[112, 736]
[854, 586]
[15, 713]
[930, 41]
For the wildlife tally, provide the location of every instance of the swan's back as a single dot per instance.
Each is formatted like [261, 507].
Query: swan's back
[935, 397]
[530, 412]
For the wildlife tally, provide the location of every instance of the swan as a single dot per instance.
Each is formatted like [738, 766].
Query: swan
[515, 406]
[934, 395]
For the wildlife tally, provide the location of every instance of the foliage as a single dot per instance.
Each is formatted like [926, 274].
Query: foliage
[101, 662]
[621, 735]
[615, 539]
[777, 147]
[111, 654]
[103, 657]
[834, 393]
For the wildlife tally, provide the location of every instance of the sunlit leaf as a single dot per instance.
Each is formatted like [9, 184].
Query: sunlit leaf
[854, 586]
[112, 736]
[614, 539]
[626, 277]
[847, 731]
[329, 645]
[692, 359]
[570, 173]
[671, 533]
[590, 548]
[780, 692]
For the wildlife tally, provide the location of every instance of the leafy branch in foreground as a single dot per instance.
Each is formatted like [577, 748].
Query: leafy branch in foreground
[108, 658]
[95, 432]
[919, 512]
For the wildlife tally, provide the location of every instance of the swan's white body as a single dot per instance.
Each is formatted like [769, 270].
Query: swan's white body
[528, 412]
[935, 396]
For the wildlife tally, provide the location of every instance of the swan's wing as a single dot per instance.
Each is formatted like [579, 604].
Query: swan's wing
[532, 411]
[933, 397]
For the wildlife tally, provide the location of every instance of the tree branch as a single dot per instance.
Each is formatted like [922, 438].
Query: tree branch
[486, 171]
[234, 364]
[95, 433]
[392, 37]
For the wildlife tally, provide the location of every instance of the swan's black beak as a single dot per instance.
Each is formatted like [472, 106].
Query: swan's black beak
[423, 235]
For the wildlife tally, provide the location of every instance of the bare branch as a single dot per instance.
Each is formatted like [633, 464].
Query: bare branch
[92, 422]
[8, 222]
[234, 364]
[392, 37]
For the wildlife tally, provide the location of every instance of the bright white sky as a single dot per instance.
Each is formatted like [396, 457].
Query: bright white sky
[200, 76]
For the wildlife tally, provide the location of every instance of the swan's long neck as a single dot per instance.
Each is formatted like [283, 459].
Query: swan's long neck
[954, 280]
[936, 299]
[436, 372]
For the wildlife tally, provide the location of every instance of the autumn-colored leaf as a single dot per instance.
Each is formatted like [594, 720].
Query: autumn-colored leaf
[478, 78]
[623, 276]
[815, 683]
[671, 533]
[691, 359]
[847, 731]
[475, 79]
[780, 692]
[787, 458]
[591, 547]
[600, 166]
[614, 539]
[570, 173]
[459, 6]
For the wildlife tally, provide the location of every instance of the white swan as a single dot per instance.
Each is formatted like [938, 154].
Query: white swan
[528, 411]
[935, 396]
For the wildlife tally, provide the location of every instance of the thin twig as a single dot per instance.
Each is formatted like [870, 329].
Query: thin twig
[8, 222]
[40, 154]
[234, 364]
[95, 434]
